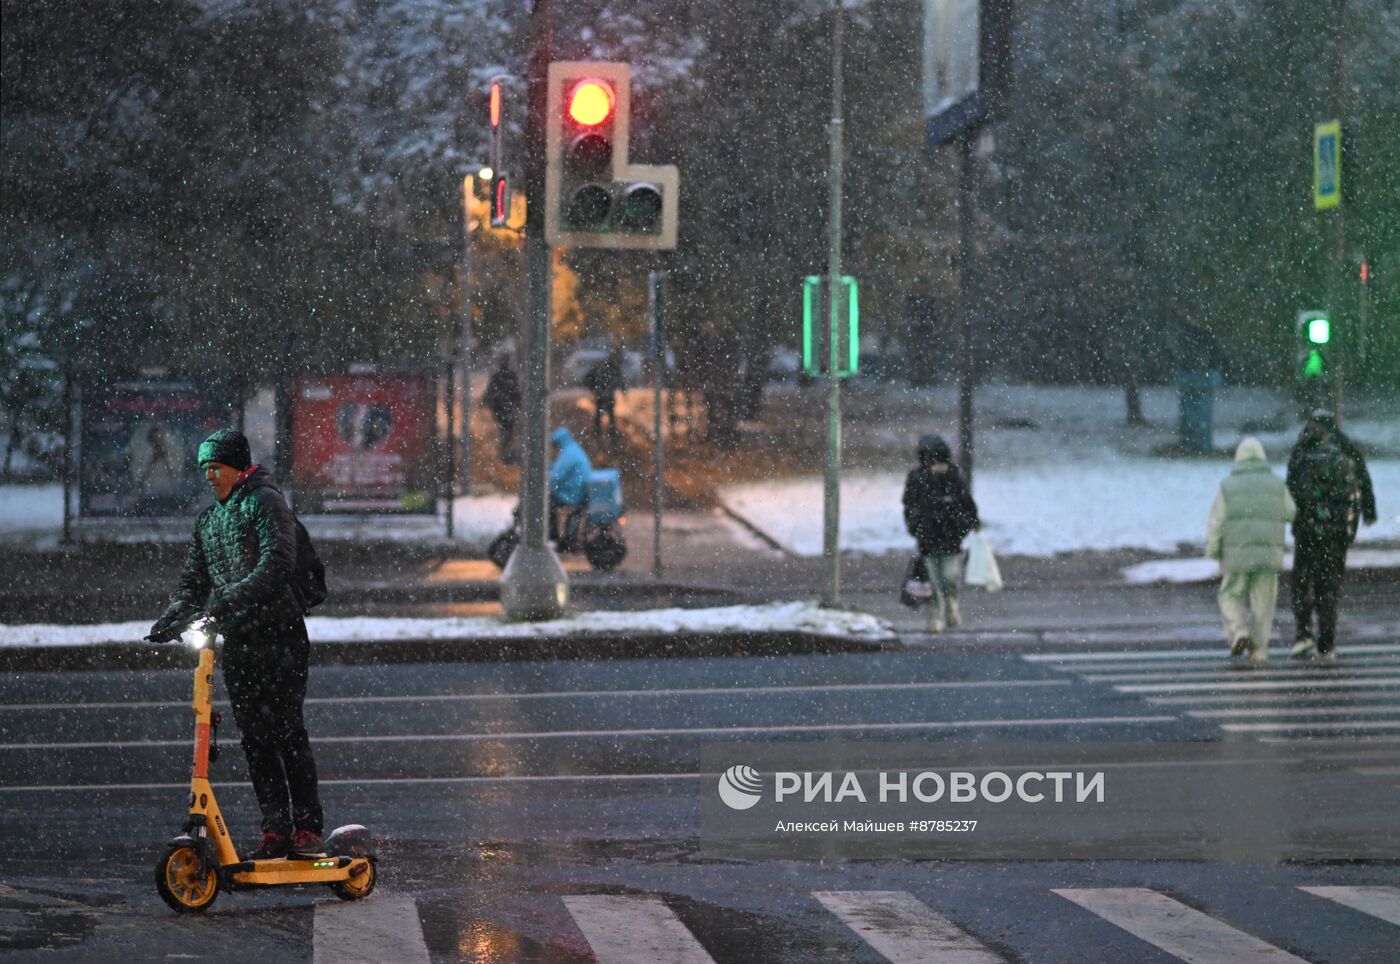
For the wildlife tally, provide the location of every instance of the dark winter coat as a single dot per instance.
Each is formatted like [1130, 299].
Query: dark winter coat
[1329, 512]
[502, 396]
[240, 562]
[604, 380]
[938, 508]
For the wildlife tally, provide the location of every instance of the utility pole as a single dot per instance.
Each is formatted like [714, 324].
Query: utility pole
[967, 197]
[533, 585]
[465, 346]
[831, 536]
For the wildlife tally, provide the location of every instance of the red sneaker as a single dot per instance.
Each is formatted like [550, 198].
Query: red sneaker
[273, 847]
[307, 844]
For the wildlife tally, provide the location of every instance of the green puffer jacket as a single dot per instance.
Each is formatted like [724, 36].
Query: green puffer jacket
[240, 562]
[1246, 530]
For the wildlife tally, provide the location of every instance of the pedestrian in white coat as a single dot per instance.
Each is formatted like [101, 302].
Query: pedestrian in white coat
[1246, 534]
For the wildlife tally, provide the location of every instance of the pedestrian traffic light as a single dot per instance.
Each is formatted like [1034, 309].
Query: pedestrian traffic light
[1314, 344]
[816, 323]
[500, 200]
[593, 196]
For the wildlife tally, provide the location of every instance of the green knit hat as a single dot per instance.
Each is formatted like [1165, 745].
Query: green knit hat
[228, 447]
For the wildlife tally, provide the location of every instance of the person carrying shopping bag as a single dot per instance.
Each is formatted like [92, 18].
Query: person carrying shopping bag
[939, 513]
[1245, 534]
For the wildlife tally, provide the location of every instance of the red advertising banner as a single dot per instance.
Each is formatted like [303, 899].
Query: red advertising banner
[364, 443]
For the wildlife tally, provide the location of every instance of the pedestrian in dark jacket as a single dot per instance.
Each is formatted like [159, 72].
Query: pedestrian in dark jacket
[605, 380]
[238, 570]
[939, 513]
[502, 399]
[1329, 482]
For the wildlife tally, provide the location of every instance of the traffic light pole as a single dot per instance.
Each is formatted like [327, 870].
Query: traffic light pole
[1337, 267]
[831, 523]
[534, 585]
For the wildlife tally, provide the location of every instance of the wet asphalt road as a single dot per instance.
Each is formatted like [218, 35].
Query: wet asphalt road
[549, 811]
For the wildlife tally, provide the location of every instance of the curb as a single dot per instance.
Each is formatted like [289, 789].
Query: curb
[139, 656]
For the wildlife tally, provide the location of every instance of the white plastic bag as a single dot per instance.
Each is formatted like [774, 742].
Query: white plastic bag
[982, 567]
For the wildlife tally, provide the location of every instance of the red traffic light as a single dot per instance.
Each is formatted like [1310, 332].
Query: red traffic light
[591, 103]
[495, 104]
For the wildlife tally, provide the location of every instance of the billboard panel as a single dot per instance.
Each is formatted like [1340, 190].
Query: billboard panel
[967, 64]
[138, 445]
[364, 443]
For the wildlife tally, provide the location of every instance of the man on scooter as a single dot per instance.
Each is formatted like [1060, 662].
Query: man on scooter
[238, 570]
[568, 484]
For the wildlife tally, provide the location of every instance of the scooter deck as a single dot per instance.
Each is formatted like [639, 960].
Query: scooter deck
[320, 870]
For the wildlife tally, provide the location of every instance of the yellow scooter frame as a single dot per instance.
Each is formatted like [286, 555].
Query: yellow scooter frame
[203, 859]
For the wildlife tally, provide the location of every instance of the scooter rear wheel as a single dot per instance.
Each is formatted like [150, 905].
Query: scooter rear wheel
[179, 883]
[359, 886]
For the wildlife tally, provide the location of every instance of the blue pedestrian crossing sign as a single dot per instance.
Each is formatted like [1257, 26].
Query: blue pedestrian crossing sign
[1327, 165]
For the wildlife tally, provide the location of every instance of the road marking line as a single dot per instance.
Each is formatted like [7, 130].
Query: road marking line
[368, 932]
[903, 929]
[1314, 725]
[1377, 771]
[634, 930]
[656, 732]
[1346, 741]
[1172, 926]
[1238, 711]
[1246, 685]
[1224, 662]
[583, 694]
[1239, 672]
[1088, 657]
[1382, 902]
[1287, 699]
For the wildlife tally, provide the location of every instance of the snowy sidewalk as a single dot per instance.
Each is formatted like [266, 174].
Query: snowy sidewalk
[785, 627]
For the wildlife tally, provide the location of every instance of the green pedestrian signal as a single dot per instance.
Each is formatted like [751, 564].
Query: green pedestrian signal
[816, 323]
[1314, 345]
[1319, 331]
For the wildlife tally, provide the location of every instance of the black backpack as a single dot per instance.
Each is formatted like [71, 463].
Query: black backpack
[309, 576]
[1327, 491]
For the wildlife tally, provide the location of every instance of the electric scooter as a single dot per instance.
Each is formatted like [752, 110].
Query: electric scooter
[202, 859]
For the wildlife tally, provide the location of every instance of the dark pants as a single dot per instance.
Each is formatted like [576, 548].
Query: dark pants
[266, 682]
[604, 405]
[507, 427]
[1318, 566]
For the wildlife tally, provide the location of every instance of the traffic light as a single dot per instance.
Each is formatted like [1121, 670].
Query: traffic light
[816, 322]
[499, 188]
[593, 196]
[1314, 345]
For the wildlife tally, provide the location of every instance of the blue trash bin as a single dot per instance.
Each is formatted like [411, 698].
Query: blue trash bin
[1196, 422]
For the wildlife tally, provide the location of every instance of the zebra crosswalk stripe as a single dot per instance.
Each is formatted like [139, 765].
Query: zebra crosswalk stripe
[1382, 902]
[369, 932]
[1171, 926]
[625, 929]
[903, 929]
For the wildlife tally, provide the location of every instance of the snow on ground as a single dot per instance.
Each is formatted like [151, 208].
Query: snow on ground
[1208, 570]
[1032, 510]
[804, 617]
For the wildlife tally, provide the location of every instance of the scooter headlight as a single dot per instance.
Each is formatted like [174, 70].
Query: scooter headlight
[200, 636]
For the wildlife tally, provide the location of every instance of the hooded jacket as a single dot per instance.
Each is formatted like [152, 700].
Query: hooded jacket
[1247, 519]
[568, 476]
[240, 561]
[938, 509]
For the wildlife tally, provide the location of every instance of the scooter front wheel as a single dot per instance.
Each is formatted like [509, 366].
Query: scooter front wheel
[179, 883]
[359, 886]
